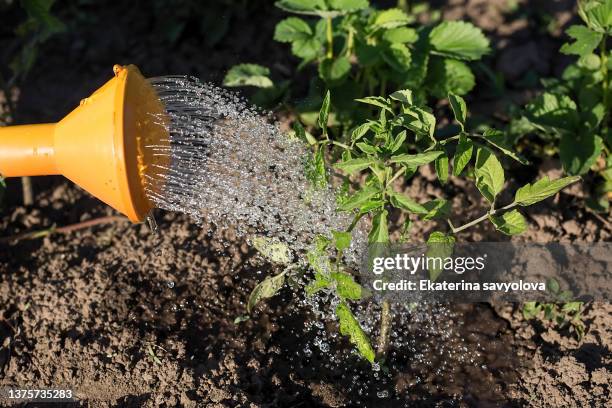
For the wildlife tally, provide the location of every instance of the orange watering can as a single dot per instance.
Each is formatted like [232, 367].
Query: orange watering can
[99, 145]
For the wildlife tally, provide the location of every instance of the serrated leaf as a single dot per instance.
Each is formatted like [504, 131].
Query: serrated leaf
[489, 174]
[292, 29]
[391, 18]
[324, 112]
[437, 208]
[441, 165]
[274, 251]
[248, 75]
[459, 39]
[542, 189]
[349, 326]
[510, 223]
[265, 289]
[404, 96]
[439, 245]
[400, 201]
[463, 154]
[359, 198]
[420, 121]
[448, 75]
[585, 41]
[379, 233]
[354, 165]
[418, 159]
[459, 108]
[398, 57]
[342, 239]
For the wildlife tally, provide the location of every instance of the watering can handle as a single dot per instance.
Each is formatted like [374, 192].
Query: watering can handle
[27, 150]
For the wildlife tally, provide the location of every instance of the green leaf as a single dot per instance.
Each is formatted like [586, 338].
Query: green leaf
[418, 159]
[308, 49]
[420, 121]
[586, 41]
[377, 101]
[542, 189]
[346, 287]
[367, 148]
[510, 223]
[404, 96]
[292, 29]
[398, 57]
[400, 201]
[459, 39]
[315, 170]
[335, 70]
[463, 154]
[441, 165]
[531, 310]
[439, 245]
[400, 35]
[449, 75]
[360, 131]
[348, 5]
[437, 208]
[248, 75]
[489, 174]
[359, 198]
[320, 282]
[398, 141]
[380, 232]
[349, 326]
[553, 111]
[272, 250]
[579, 152]
[342, 239]
[354, 165]
[497, 139]
[597, 14]
[324, 112]
[265, 289]
[40, 11]
[459, 109]
[302, 134]
[391, 18]
[301, 6]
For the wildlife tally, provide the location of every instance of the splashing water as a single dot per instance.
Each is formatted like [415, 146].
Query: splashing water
[229, 165]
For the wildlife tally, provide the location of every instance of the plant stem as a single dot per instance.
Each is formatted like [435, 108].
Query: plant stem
[386, 318]
[330, 39]
[339, 144]
[395, 176]
[26, 188]
[606, 81]
[480, 219]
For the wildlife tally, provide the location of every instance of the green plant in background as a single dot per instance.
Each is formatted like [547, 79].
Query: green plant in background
[574, 111]
[392, 148]
[564, 312]
[22, 53]
[358, 50]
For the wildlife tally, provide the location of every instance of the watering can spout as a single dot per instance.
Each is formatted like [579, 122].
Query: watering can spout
[100, 145]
